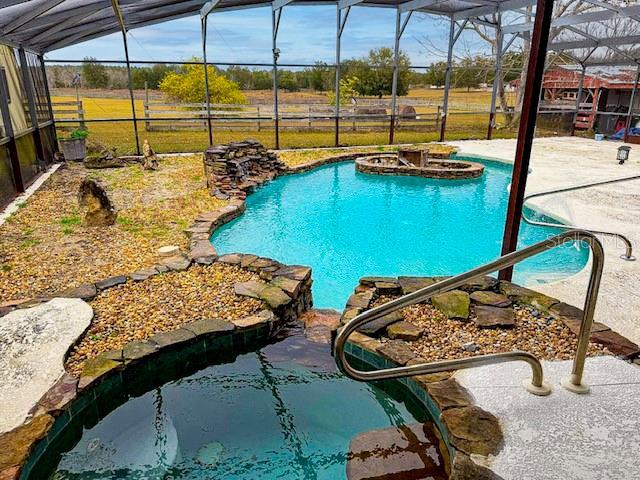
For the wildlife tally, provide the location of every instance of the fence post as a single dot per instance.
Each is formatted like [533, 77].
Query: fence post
[80, 107]
[146, 107]
[309, 109]
[258, 111]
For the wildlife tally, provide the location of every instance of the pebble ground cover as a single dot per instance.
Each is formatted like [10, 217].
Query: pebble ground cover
[44, 248]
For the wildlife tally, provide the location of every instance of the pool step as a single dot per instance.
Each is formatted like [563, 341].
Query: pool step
[407, 452]
[319, 323]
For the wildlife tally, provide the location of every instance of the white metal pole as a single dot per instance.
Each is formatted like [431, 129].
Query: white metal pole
[394, 84]
[631, 102]
[337, 86]
[275, 23]
[497, 81]
[207, 94]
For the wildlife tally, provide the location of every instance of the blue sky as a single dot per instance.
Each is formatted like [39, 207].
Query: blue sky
[306, 34]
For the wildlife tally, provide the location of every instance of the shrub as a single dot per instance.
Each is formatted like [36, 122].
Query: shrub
[187, 86]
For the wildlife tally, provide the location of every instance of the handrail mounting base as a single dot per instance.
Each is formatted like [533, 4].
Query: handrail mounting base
[628, 258]
[568, 383]
[542, 391]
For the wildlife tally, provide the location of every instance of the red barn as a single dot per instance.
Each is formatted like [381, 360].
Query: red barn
[606, 95]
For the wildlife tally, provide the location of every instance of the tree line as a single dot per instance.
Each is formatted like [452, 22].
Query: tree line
[369, 76]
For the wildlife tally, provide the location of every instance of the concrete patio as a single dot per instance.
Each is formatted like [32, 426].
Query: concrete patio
[565, 435]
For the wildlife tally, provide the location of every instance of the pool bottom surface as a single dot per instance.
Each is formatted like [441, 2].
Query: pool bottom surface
[281, 412]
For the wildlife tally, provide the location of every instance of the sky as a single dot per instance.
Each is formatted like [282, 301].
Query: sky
[307, 35]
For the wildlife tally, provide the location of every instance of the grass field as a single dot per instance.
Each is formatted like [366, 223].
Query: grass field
[465, 121]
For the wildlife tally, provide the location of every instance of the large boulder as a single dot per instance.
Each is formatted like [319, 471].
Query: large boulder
[33, 345]
[99, 210]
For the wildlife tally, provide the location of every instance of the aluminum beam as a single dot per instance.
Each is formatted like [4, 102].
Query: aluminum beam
[415, 5]
[588, 17]
[497, 79]
[490, 10]
[123, 28]
[208, 7]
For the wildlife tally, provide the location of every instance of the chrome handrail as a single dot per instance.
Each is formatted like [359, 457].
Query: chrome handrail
[537, 385]
[628, 255]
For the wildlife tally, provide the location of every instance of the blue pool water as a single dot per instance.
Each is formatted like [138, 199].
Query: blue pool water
[346, 224]
[282, 412]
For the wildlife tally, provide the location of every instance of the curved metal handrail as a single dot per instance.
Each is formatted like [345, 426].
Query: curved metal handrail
[537, 385]
[628, 255]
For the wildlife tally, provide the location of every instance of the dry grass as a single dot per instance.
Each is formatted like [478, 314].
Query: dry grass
[45, 248]
[101, 104]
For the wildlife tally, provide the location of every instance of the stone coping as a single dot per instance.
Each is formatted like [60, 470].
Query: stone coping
[31, 451]
[441, 169]
[320, 162]
[467, 430]
[450, 404]
[286, 289]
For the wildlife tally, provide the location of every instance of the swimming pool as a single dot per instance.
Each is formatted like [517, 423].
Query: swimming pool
[281, 412]
[346, 225]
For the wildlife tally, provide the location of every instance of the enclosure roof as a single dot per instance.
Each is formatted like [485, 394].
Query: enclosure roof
[597, 33]
[45, 25]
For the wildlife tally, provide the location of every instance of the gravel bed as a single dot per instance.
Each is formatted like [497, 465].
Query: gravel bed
[137, 311]
[533, 332]
[45, 249]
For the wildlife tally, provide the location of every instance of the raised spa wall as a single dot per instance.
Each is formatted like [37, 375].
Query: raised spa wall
[441, 169]
[109, 379]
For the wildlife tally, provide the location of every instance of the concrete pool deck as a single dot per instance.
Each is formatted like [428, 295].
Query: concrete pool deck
[565, 435]
[566, 161]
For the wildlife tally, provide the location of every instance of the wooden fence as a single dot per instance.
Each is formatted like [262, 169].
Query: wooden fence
[70, 111]
[164, 116]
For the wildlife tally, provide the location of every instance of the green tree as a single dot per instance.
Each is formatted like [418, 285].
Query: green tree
[375, 72]
[242, 76]
[287, 81]
[152, 76]
[187, 85]
[437, 73]
[347, 91]
[320, 77]
[94, 74]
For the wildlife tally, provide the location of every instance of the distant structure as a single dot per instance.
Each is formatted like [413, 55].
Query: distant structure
[605, 98]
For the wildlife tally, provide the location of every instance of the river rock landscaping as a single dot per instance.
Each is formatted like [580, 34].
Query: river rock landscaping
[484, 317]
[135, 311]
